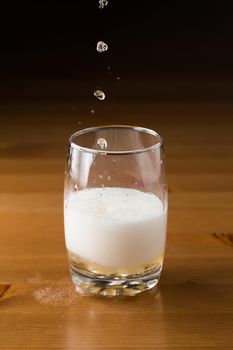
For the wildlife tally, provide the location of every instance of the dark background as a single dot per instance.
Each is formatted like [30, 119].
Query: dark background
[148, 41]
[145, 38]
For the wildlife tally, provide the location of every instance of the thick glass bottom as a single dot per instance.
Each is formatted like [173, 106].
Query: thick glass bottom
[93, 279]
[113, 287]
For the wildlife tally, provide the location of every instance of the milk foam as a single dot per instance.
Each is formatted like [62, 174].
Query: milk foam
[115, 227]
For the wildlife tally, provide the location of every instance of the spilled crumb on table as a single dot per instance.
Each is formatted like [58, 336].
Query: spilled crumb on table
[57, 293]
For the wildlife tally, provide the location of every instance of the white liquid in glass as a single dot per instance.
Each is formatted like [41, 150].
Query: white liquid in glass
[115, 227]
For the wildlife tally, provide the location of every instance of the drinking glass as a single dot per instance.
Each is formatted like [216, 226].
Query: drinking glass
[115, 209]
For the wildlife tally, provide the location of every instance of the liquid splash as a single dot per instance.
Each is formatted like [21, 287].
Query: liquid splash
[103, 4]
[102, 143]
[99, 94]
[101, 46]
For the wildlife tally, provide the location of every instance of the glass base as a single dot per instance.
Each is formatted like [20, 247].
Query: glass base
[114, 287]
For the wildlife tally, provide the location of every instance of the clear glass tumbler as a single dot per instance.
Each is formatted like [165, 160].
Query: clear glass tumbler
[115, 209]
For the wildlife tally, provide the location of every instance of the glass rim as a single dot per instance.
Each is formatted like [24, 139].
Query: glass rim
[106, 152]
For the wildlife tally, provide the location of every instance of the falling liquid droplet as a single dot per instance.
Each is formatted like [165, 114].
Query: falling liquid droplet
[74, 109]
[92, 111]
[99, 94]
[101, 46]
[109, 178]
[135, 183]
[76, 187]
[118, 78]
[80, 122]
[101, 177]
[108, 68]
[103, 3]
[102, 143]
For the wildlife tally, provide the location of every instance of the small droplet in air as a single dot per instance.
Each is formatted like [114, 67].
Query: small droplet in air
[80, 123]
[102, 143]
[101, 177]
[76, 187]
[74, 109]
[101, 46]
[103, 3]
[114, 161]
[108, 68]
[118, 78]
[135, 183]
[92, 111]
[99, 94]
[109, 177]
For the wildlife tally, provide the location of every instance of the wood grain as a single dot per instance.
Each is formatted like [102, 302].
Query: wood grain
[193, 306]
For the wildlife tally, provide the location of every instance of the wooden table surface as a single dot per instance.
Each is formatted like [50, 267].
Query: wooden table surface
[193, 306]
